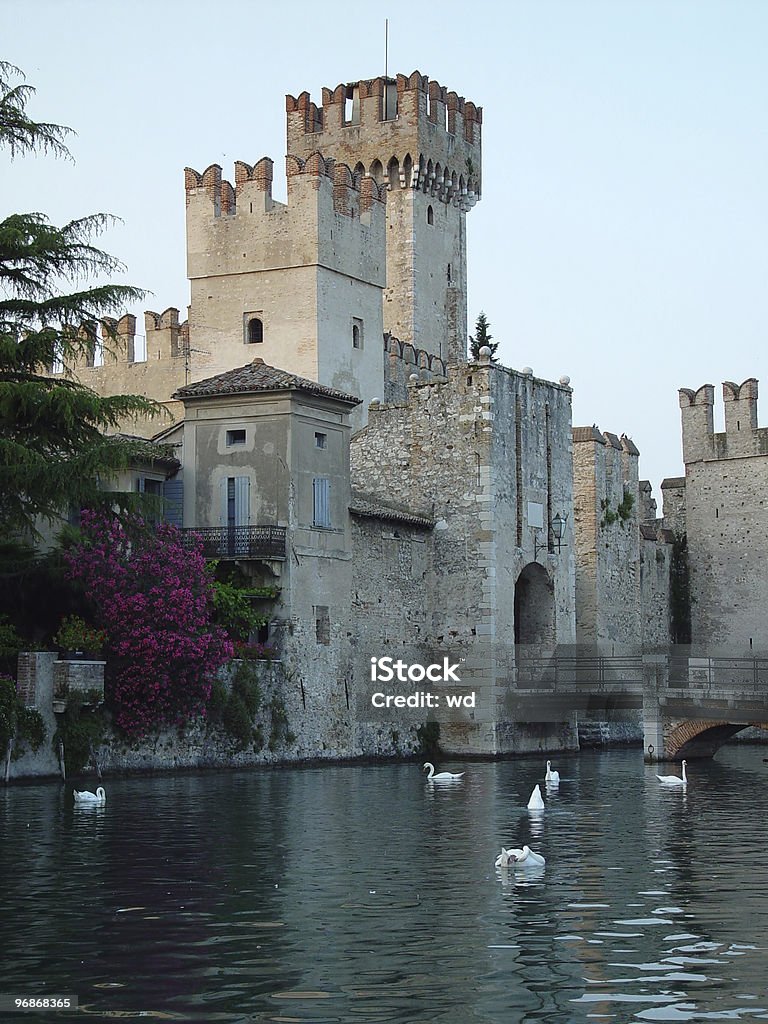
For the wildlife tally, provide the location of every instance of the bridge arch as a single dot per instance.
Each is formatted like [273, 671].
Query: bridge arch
[701, 738]
[534, 606]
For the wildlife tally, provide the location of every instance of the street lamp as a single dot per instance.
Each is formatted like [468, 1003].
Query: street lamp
[557, 528]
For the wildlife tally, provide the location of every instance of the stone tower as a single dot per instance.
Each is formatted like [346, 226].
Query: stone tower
[726, 517]
[298, 285]
[423, 145]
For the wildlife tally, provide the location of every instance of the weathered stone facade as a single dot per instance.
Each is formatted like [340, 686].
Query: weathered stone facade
[623, 552]
[486, 454]
[417, 498]
[726, 516]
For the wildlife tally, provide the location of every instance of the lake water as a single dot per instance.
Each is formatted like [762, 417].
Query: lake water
[362, 894]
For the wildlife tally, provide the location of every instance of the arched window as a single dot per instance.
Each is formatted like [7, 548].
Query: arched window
[430, 215]
[255, 331]
[357, 332]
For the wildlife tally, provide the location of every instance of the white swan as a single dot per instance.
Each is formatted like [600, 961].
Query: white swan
[674, 780]
[552, 778]
[85, 797]
[441, 776]
[524, 858]
[536, 803]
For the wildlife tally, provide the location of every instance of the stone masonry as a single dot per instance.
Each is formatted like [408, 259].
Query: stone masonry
[726, 516]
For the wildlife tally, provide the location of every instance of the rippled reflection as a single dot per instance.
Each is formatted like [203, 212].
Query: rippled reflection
[362, 894]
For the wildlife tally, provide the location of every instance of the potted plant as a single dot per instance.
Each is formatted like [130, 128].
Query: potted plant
[77, 641]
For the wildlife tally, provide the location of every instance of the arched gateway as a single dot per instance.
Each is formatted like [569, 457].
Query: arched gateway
[534, 606]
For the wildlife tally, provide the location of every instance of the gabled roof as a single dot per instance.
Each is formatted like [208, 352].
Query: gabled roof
[257, 377]
[373, 508]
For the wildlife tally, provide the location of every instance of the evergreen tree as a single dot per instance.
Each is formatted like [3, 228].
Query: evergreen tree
[482, 337]
[54, 448]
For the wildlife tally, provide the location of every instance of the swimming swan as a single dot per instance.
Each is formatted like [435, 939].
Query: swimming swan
[441, 776]
[85, 797]
[524, 858]
[674, 780]
[552, 778]
[536, 803]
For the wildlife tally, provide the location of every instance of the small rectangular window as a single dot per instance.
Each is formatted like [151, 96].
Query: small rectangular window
[146, 485]
[321, 501]
[235, 437]
[321, 440]
[322, 624]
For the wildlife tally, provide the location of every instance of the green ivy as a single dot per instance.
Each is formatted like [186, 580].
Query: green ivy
[428, 736]
[18, 722]
[81, 729]
[621, 514]
[680, 591]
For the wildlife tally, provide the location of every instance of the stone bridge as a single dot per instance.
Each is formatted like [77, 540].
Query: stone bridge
[691, 701]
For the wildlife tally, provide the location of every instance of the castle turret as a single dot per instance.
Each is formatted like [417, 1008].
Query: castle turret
[740, 406]
[298, 285]
[697, 414]
[421, 143]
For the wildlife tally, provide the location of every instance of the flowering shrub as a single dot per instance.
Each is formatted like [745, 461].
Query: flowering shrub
[153, 598]
[255, 651]
[75, 634]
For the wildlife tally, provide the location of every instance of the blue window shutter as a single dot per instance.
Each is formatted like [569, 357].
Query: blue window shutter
[321, 501]
[173, 503]
[223, 487]
[242, 501]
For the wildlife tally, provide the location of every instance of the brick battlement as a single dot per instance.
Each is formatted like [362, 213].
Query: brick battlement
[431, 135]
[351, 193]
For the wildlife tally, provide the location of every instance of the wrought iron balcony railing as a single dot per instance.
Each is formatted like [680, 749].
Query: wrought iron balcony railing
[239, 541]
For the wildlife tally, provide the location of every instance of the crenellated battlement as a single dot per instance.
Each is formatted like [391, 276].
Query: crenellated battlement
[112, 341]
[742, 436]
[405, 364]
[381, 100]
[352, 194]
[431, 134]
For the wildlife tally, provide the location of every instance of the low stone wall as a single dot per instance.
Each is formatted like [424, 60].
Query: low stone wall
[34, 686]
[611, 732]
[313, 736]
[310, 732]
[306, 734]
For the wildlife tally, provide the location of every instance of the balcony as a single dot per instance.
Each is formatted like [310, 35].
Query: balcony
[263, 542]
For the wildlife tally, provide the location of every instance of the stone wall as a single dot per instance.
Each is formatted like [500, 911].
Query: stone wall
[486, 455]
[726, 517]
[121, 371]
[606, 516]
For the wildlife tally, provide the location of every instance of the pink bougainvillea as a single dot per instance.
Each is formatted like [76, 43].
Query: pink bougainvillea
[153, 597]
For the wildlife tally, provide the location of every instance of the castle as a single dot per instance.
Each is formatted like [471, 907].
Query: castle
[334, 440]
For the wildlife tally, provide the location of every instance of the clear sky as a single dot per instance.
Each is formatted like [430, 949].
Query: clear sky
[621, 238]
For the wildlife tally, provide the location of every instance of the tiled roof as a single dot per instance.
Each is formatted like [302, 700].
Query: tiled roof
[372, 508]
[588, 434]
[612, 440]
[259, 376]
[673, 481]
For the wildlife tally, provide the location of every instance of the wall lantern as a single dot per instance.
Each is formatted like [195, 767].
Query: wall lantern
[557, 531]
